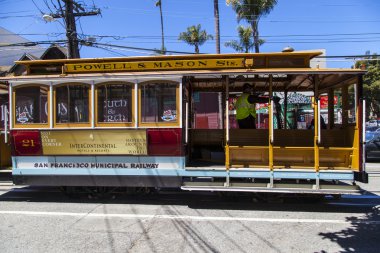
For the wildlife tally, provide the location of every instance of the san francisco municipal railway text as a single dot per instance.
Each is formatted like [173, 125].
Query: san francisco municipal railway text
[98, 165]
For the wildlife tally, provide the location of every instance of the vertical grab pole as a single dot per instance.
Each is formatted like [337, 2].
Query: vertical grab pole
[136, 104]
[271, 130]
[363, 135]
[51, 106]
[360, 129]
[227, 148]
[227, 123]
[363, 120]
[187, 122]
[5, 113]
[319, 123]
[317, 130]
[271, 123]
[286, 109]
[11, 106]
[227, 113]
[93, 105]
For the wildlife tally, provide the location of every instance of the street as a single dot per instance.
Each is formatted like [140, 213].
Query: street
[42, 219]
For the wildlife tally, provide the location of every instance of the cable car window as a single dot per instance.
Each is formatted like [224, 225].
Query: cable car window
[114, 103]
[31, 105]
[159, 102]
[72, 103]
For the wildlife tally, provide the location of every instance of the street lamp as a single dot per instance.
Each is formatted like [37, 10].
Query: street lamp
[48, 18]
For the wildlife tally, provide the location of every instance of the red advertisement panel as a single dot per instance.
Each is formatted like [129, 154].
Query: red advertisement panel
[165, 142]
[26, 143]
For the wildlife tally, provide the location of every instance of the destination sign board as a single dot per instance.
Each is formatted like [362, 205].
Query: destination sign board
[156, 65]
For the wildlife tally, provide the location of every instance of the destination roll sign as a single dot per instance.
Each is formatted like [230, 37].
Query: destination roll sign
[156, 65]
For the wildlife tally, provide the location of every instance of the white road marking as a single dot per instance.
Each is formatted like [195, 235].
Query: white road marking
[348, 204]
[6, 183]
[187, 217]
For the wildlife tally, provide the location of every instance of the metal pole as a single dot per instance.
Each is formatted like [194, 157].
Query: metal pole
[227, 148]
[187, 123]
[319, 123]
[5, 124]
[317, 136]
[217, 29]
[271, 132]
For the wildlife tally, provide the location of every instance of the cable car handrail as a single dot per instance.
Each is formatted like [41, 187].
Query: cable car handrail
[272, 116]
[319, 121]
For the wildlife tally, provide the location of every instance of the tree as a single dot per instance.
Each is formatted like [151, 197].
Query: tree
[194, 36]
[371, 83]
[163, 49]
[245, 43]
[252, 11]
[217, 30]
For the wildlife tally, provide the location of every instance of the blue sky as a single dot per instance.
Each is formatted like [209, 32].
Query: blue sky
[342, 27]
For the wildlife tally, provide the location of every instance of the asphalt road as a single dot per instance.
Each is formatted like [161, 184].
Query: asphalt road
[34, 219]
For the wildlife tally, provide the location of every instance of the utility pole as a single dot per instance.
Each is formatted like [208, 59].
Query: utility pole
[71, 31]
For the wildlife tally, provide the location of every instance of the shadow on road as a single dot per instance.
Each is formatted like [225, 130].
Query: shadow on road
[199, 200]
[362, 235]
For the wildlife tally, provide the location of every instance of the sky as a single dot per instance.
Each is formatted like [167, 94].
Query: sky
[341, 27]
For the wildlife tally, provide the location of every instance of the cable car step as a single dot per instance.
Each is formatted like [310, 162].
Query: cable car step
[264, 187]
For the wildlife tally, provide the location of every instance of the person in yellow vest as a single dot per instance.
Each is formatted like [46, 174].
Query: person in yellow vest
[246, 107]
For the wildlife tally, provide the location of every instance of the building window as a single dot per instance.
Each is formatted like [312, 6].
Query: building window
[159, 103]
[31, 105]
[115, 103]
[72, 103]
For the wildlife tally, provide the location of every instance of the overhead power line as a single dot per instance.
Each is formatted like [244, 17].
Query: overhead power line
[19, 16]
[38, 7]
[34, 43]
[87, 43]
[112, 46]
[11, 12]
[263, 36]
[136, 48]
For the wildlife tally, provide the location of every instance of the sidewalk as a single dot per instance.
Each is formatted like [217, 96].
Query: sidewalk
[373, 168]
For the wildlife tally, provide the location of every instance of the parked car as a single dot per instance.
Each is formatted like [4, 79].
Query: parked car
[373, 123]
[372, 146]
[372, 129]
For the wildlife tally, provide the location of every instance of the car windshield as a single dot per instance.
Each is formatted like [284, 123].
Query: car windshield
[369, 136]
[372, 129]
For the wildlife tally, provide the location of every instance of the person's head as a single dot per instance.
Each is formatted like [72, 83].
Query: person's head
[247, 88]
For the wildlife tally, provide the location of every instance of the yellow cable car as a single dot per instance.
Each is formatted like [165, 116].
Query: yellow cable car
[170, 121]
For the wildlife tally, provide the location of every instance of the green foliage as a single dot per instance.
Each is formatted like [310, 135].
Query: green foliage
[371, 82]
[195, 36]
[245, 43]
[252, 11]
